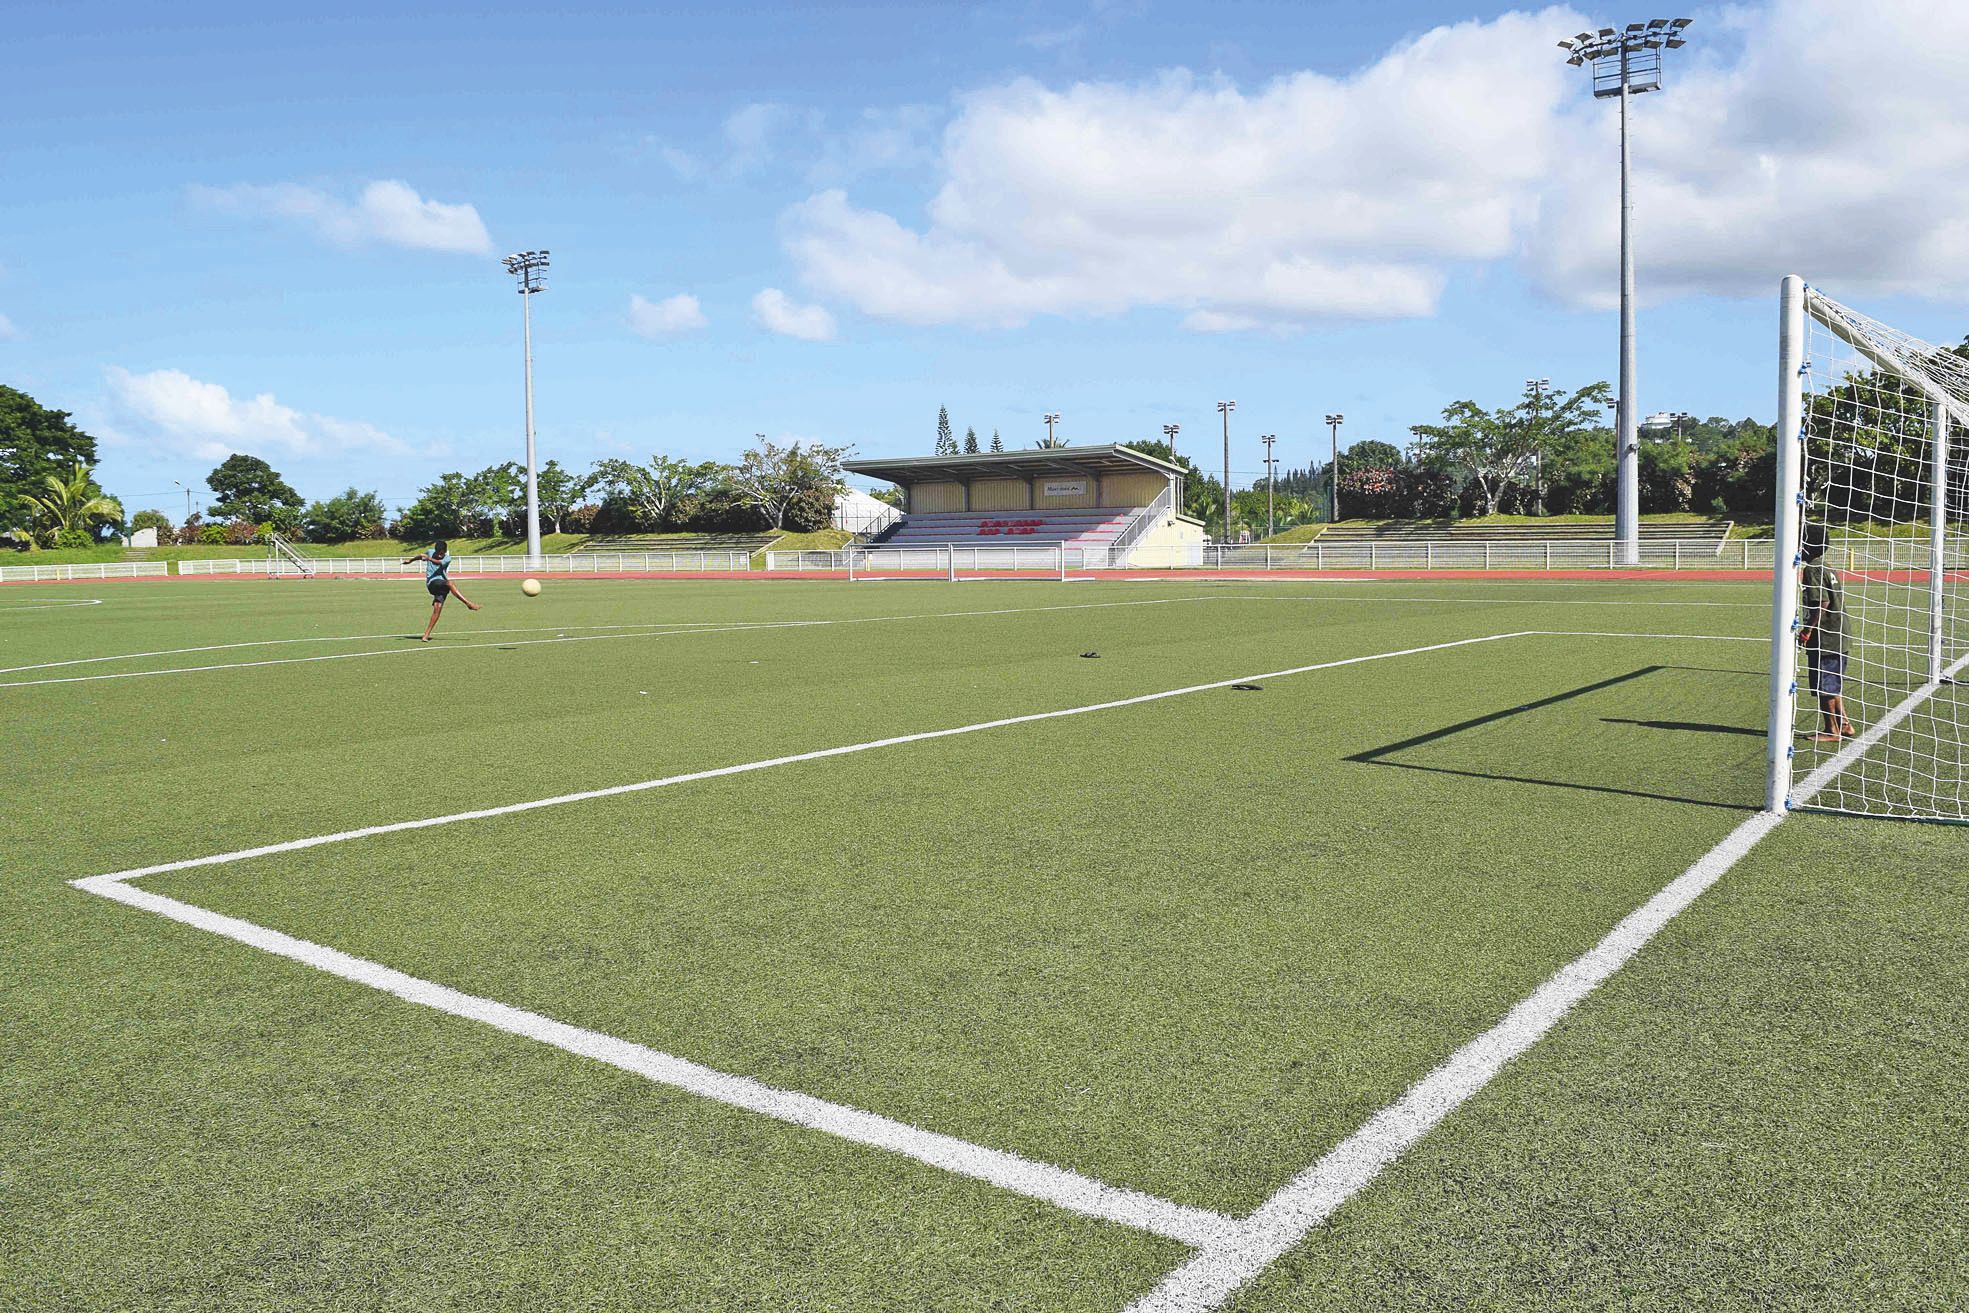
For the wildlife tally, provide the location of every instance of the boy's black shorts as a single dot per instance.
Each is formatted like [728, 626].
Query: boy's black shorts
[439, 589]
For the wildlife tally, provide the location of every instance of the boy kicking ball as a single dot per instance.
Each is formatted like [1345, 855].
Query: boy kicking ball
[1824, 637]
[437, 579]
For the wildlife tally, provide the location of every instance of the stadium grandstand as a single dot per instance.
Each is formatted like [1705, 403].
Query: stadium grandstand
[1112, 498]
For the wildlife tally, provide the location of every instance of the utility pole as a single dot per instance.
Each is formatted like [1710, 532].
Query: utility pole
[187, 501]
[1271, 481]
[1225, 408]
[530, 268]
[1333, 423]
[1626, 63]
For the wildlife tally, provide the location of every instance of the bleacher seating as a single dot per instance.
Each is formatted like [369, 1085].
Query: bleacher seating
[1084, 528]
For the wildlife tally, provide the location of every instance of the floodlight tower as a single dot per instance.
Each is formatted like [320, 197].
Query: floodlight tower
[1626, 63]
[1170, 431]
[1333, 423]
[1538, 387]
[530, 267]
[1225, 408]
[1271, 480]
[1052, 418]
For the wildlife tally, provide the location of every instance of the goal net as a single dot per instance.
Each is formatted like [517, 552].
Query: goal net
[1871, 588]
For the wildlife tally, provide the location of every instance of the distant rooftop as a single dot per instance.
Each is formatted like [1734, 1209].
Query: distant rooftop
[1027, 463]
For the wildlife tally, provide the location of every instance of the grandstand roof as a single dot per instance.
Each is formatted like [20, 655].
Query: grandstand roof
[1031, 462]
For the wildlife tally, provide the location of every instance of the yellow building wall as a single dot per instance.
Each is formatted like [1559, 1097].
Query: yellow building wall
[929, 498]
[1072, 501]
[1132, 489]
[999, 495]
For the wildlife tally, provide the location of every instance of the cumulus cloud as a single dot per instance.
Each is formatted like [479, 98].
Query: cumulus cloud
[1829, 147]
[171, 409]
[1829, 144]
[666, 318]
[386, 212]
[776, 311]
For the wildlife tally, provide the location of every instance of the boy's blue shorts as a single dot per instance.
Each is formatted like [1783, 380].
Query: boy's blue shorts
[1828, 673]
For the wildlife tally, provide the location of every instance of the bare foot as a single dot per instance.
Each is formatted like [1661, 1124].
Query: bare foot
[470, 607]
[1825, 736]
[1847, 731]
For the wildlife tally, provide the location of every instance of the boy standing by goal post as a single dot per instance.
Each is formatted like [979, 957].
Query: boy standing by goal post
[1824, 636]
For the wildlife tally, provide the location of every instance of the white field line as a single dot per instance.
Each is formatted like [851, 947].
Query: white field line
[743, 768]
[1217, 1272]
[53, 606]
[343, 638]
[1230, 1252]
[1488, 601]
[703, 628]
[1008, 1171]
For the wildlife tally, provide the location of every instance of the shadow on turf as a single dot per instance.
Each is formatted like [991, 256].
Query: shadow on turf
[1691, 726]
[1380, 756]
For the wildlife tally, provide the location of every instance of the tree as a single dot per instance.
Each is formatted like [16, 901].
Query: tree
[438, 512]
[946, 445]
[250, 489]
[495, 499]
[1050, 443]
[656, 490]
[997, 443]
[1203, 496]
[770, 477]
[1495, 450]
[35, 442]
[560, 492]
[970, 442]
[69, 508]
[345, 517]
[157, 520]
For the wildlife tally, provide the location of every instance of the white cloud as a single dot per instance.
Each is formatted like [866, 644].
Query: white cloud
[749, 134]
[7, 330]
[386, 212]
[1830, 145]
[666, 318]
[170, 409]
[809, 323]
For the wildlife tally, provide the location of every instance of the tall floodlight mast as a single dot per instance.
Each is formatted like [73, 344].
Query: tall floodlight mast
[1271, 479]
[1170, 431]
[530, 267]
[1333, 423]
[1626, 63]
[1052, 418]
[1537, 388]
[1225, 408]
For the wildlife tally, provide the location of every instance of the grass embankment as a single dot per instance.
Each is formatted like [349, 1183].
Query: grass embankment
[1305, 533]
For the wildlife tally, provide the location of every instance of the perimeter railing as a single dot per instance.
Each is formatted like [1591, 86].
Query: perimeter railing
[18, 574]
[699, 562]
[1447, 554]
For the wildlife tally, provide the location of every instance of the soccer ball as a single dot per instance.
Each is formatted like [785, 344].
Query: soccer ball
[531, 587]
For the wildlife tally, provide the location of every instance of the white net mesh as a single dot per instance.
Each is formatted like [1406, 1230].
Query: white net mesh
[1888, 614]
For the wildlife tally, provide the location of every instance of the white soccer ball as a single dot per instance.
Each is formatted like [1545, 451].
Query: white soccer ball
[531, 587]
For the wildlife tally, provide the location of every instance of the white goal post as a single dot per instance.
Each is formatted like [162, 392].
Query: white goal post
[1872, 512]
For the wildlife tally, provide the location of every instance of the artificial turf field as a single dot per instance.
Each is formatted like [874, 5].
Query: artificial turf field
[1182, 946]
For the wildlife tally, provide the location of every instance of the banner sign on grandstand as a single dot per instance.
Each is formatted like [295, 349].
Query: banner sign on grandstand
[1065, 487]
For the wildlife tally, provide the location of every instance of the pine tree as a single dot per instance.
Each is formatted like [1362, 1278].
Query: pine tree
[997, 443]
[970, 442]
[946, 444]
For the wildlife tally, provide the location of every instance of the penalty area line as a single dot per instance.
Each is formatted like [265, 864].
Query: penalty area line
[1008, 1171]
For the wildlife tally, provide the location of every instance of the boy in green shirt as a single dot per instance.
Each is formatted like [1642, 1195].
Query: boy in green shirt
[1824, 636]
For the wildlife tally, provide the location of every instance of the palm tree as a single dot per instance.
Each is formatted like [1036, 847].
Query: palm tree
[74, 502]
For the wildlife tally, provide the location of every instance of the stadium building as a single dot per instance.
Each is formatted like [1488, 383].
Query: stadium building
[1108, 501]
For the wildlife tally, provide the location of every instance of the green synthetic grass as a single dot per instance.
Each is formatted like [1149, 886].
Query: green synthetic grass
[1183, 946]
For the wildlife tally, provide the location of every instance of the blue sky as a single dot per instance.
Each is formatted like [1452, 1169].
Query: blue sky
[233, 228]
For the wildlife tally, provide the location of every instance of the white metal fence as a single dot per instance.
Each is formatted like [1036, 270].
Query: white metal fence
[703, 562]
[1446, 554]
[15, 574]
